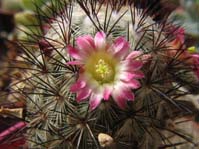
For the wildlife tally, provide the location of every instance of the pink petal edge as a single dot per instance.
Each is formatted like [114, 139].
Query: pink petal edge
[134, 84]
[94, 101]
[135, 65]
[77, 86]
[128, 94]
[107, 93]
[83, 94]
[74, 63]
[136, 74]
[126, 76]
[120, 101]
[100, 40]
[12, 129]
[120, 47]
[90, 40]
[84, 44]
[134, 54]
[122, 96]
[73, 52]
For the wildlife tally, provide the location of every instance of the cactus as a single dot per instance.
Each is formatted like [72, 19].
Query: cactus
[100, 74]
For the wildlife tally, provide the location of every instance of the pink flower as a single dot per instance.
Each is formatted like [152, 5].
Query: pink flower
[106, 70]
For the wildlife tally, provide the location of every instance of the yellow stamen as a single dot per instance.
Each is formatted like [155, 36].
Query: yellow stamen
[102, 68]
[192, 49]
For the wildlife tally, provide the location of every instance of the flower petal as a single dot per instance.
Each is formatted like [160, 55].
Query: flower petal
[127, 65]
[128, 95]
[85, 44]
[83, 94]
[90, 40]
[136, 74]
[100, 40]
[120, 47]
[196, 56]
[74, 63]
[134, 84]
[121, 101]
[74, 52]
[95, 100]
[123, 95]
[136, 65]
[107, 92]
[77, 86]
[126, 76]
[134, 54]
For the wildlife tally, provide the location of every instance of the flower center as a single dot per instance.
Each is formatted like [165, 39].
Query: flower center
[101, 67]
[103, 71]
